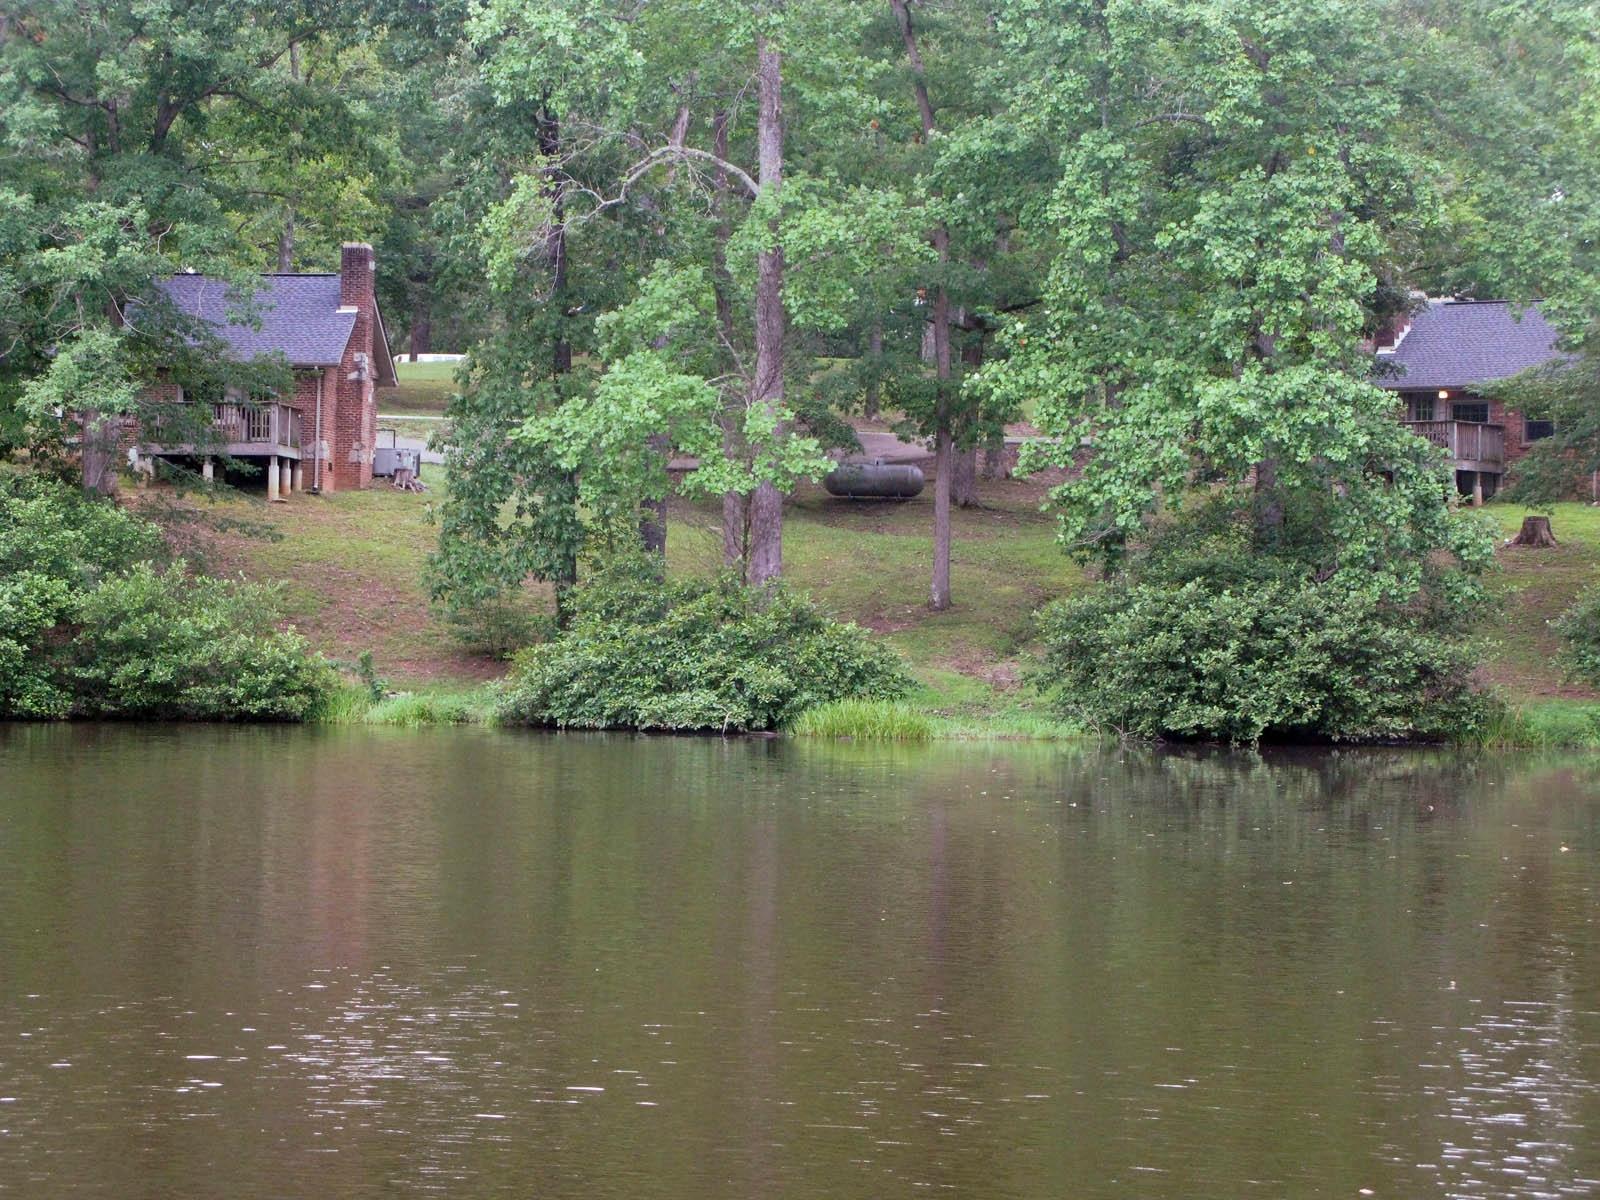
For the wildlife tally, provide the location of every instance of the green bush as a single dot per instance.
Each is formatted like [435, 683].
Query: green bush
[1246, 659]
[161, 646]
[1579, 628]
[90, 626]
[497, 625]
[693, 654]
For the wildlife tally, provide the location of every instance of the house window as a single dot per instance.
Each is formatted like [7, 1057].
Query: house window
[1474, 411]
[1533, 430]
[1419, 406]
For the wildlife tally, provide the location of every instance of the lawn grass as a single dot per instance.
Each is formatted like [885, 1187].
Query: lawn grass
[1534, 587]
[869, 563]
[351, 564]
[866, 721]
[440, 704]
[424, 387]
[352, 567]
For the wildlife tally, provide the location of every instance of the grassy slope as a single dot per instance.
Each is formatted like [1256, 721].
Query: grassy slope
[423, 388]
[353, 564]
[1535, 586]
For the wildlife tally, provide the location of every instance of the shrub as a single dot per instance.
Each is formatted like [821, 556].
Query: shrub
[1579, 628]
[1252, 658]
[497, 625]
[54, 530]
[693, 654]
[159, 645]
[89, 626]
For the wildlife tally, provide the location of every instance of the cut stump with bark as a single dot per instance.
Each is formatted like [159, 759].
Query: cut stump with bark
[1535, 532]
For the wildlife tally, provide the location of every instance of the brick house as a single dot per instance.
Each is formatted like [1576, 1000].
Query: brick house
[1434, 360]
[319, 438]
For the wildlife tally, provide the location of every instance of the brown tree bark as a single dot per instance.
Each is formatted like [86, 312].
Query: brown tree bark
[735, 515]
[964, 484]
[97, 445]
[561, 349]
[1268, 503]
[1535, 532]
[421, 337]
[765, 559]
[944, 445]
[653, 517]
[875, 353]
[98, 452]
[286, 244]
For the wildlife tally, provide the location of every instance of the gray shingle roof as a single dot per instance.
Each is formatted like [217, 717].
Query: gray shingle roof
[300, 316]
[1457, 343]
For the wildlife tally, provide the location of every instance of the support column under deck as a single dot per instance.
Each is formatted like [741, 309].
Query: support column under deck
[272, 477]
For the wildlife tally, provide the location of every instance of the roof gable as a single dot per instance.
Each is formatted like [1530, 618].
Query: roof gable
[1458, 343]
[300, 316]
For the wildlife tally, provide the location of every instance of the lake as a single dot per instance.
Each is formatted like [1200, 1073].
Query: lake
[372, 963]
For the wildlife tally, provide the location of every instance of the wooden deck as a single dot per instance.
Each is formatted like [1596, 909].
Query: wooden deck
[244, 431]
[1473, 446]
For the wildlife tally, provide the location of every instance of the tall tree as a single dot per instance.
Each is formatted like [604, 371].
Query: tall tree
[115, 175]
[1232, 188]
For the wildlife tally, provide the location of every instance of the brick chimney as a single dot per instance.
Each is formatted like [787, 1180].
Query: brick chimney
[356, 280]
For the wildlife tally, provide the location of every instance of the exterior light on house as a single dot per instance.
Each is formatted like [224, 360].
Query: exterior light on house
[1443, 394]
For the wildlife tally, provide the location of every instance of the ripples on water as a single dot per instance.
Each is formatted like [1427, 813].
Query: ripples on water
[253, 963]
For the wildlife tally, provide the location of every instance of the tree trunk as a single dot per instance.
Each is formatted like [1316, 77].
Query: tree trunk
[766, 504]
[875, 358]
[964, 483]
[995, 463]
[939, 592]
[97, 447]
[735, 514]
[286, 243]
[566, 576]
[421, 339]
[964, 477]
[939, 589]
[1268, 505]
[98, 453]
[1535, 532]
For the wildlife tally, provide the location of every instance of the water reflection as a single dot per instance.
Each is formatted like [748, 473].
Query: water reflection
[277, 962]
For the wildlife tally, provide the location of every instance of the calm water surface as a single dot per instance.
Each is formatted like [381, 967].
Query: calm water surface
[280, 963]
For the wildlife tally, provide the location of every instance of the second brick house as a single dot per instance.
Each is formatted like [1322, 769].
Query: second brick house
[1437, 359]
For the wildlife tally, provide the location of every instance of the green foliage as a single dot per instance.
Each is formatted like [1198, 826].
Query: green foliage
[377, 687]
[1579, 628]
[1550, 725]
[864, 721]
[497, 625]
[1245, 658]
[159, 645]
[693, 654]
[1567, 393]
[90, 627]
[413, 710]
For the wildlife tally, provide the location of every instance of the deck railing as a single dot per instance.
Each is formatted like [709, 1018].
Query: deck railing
[1465, 441]
[268, 424]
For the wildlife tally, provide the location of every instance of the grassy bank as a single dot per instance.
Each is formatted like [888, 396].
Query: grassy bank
[352, 567]
[424, 388]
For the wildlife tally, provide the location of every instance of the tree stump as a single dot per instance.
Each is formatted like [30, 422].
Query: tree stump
[1535, 532]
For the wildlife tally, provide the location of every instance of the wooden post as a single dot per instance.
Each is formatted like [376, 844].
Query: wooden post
[272, 477]
[1477, 489]
[208, 471]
